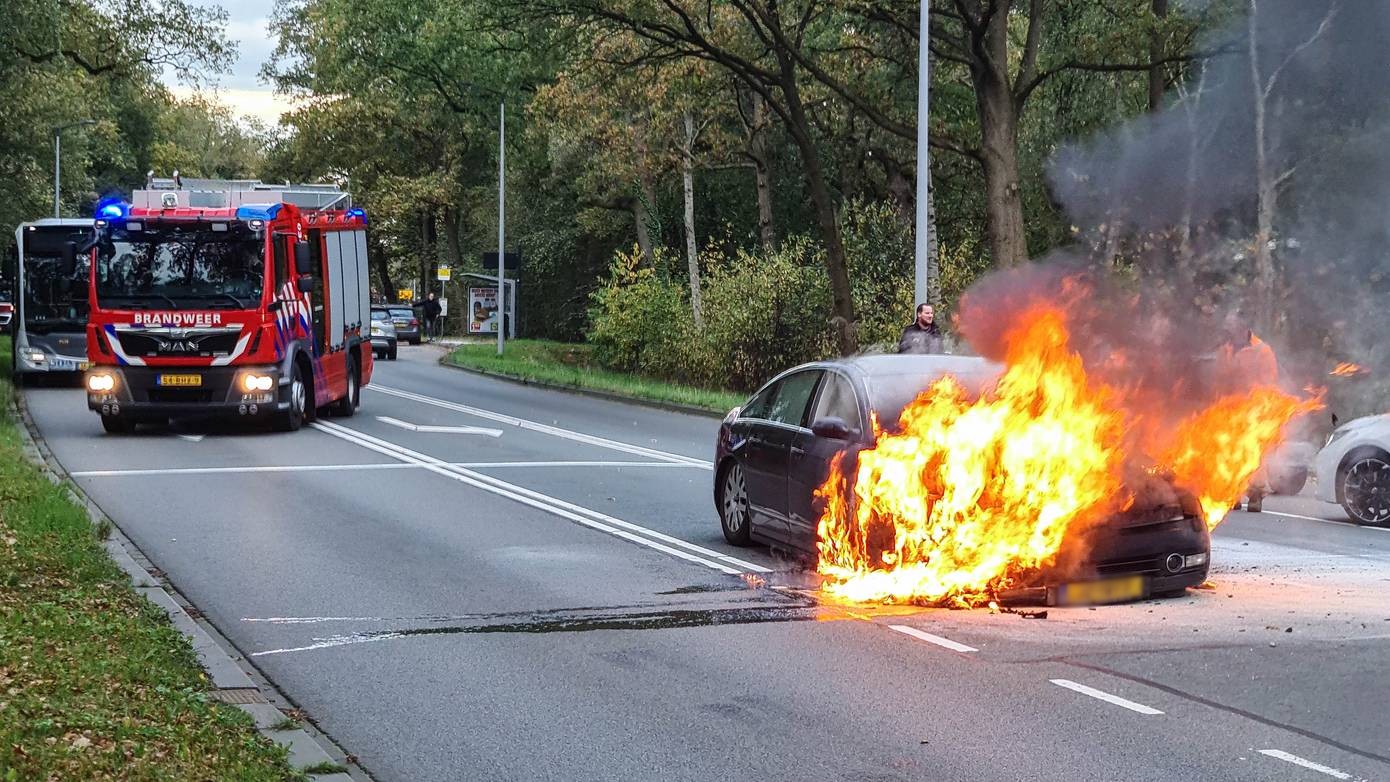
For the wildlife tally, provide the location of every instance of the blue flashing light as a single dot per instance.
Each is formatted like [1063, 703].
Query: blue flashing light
[112, 209]
[257, 211]
[359, 213]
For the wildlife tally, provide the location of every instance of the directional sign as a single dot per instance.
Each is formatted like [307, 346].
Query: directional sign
[511, 262]
[405, 294]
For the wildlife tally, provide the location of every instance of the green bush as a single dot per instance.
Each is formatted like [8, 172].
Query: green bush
[636, 317]
[763, 312]
[761, 315]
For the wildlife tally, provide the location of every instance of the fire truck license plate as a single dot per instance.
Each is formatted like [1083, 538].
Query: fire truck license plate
[182, 381]
[1113, 590]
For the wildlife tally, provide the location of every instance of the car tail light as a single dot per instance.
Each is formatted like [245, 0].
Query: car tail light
[414, 322]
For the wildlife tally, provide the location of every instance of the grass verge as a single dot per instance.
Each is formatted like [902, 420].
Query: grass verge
[573, 366]
[94, 681]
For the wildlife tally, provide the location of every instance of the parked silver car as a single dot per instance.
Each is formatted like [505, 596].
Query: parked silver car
[384, 338]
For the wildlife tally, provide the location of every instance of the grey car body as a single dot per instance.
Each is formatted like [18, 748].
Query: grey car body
[384, 338]
[407, 323]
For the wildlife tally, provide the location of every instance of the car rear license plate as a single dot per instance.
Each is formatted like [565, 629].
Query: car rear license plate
[181, 381]
[1111, 590]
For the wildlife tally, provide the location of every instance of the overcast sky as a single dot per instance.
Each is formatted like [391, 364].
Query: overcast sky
[242, 89]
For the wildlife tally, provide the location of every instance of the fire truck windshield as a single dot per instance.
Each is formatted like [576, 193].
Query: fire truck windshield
[180, 267]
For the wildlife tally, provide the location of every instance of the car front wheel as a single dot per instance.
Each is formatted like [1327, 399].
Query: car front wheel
[733, 507]
[1365, 489]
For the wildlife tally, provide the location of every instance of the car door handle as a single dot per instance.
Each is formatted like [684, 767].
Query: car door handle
[798, 451]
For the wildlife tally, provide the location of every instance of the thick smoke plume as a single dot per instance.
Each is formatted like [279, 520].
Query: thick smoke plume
[1259, 196]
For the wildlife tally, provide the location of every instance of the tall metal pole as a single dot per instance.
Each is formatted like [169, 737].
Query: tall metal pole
[57, 170]
[501, 229]
[921, 286]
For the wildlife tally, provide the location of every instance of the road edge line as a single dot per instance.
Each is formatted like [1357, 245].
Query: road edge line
[231, 683]
[592, 393]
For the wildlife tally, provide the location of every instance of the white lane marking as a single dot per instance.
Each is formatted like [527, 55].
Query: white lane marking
[309, 620]
[1105, 696]
[192, 438]
[933, 639]
[579, 514]
[1347, 523]
[326, 643]
[430, 429]
[534, 426]
[1308, 764]
[331, 467]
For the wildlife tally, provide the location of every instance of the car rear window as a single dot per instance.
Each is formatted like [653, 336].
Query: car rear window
[380, 315]
[402, 313]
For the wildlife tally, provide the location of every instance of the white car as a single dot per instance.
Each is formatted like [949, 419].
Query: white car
[1353, 469]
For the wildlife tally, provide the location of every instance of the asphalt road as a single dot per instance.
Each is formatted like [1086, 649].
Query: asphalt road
[536, 588]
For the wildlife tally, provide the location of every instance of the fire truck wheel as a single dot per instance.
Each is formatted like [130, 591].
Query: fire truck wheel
[115, 424]
[346, 406]
[292, 419]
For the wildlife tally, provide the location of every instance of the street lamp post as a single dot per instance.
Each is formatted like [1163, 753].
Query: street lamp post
[502, 227]
[922, 281]
[58, 161]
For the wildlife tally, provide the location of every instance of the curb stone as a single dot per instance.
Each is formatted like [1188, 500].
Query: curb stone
[611, 396]
[231, 683]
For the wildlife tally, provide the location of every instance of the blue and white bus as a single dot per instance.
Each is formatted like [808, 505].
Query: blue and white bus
[50, 297]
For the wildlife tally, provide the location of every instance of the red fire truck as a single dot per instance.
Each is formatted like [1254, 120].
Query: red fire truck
[232, 298]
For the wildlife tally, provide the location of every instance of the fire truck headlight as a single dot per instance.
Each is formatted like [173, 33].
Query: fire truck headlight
[100, 382]
[253, 382]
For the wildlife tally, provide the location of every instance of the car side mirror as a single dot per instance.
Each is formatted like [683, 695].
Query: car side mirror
[831, 428]
[303, 263]
[69, 258]
[306, 283]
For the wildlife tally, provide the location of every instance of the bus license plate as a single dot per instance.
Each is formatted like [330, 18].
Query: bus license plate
[1113, 590]
[181, 381]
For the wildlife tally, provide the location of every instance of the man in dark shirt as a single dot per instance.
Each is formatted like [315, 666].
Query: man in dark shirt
[923, 336]
[431, 313]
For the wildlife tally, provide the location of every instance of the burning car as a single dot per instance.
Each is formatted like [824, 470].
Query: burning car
[807, 465]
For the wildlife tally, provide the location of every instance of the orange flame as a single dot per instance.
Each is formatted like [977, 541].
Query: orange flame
[972, 496]
[1216, 451]
[1346, 369]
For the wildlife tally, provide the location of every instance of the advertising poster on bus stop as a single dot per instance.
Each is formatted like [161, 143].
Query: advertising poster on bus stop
[482, 310]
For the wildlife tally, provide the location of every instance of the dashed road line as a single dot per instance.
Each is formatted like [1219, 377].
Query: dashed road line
[535, 426]
[933, 639]
[1304, 762]
[1105, 696]
[626, 530]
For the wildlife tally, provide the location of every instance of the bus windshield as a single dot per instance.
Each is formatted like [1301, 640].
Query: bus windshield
[53, 301]
[180, 267]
